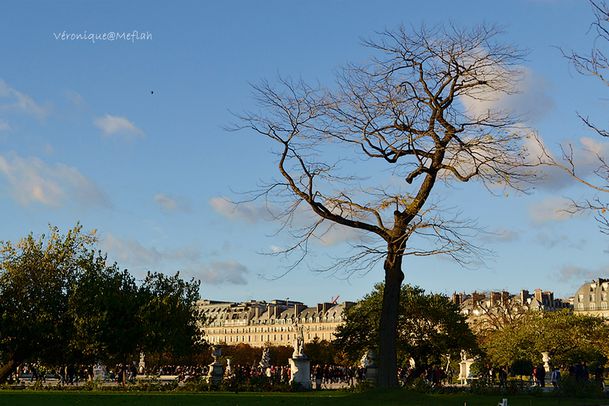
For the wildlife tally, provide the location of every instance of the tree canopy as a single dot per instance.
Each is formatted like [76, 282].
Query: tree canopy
[430, 326]
[567, 337]
[61, 302]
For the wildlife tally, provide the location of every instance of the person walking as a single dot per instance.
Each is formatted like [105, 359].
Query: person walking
[555, 377]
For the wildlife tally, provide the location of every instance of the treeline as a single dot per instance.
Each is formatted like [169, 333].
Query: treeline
[432, 333]
[62, 303]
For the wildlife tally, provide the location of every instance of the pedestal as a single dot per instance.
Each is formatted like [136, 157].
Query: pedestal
[216, 372]
[371, 374]
[301, 371]
[464, 370]
[99, 372]
[141, 368]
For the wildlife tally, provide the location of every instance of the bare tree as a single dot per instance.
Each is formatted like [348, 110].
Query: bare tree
[404, 113]
[595, 64]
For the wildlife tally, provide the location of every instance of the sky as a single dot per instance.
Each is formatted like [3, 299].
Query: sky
[129, 137]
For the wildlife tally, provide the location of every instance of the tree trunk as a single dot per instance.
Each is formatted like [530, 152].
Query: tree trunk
[7, 369]
[387, 359]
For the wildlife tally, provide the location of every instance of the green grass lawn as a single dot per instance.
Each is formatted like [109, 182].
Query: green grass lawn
[59, 398]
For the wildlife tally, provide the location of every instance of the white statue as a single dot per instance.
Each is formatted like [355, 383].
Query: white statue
[298, 341]
[368, 359]
[265, 362]
[142, 364]
[228, 371]
[463, 355]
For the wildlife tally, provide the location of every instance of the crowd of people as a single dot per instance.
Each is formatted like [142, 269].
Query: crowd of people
[323, 376]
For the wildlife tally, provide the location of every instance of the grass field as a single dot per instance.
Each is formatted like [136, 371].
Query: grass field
[58, 398]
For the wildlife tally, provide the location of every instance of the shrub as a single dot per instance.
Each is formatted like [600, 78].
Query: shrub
[569, 386]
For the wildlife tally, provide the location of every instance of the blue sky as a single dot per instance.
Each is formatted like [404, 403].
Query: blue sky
[128, 138]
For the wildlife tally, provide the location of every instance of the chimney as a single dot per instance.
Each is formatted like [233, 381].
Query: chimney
[524, 296]
[495, 297]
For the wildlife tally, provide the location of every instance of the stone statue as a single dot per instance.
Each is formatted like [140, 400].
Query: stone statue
[298, 341]
[142, 364]
[300, 365]
[216, 352]
[368, 359]
[216, 369]
[265, 362]
[463, 355]
[228, 370]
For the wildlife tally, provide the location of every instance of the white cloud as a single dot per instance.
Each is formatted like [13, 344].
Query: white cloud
[171, 204]
[335, 234]
[13, 100]
[111, 125]
[549, 177]
[276, 249]
[226, 272]
[578, 274]
[32, 180]
[551, 209]
[528, 98]
[327, 234]
[132, 253]
[586, 154]
[248, 212]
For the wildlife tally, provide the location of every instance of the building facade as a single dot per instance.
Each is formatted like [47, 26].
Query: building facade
[493, 310]
[260, 323]
[591, 298]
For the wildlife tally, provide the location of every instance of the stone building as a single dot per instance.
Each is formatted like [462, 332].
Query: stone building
[259, 323]
[493, 310]
[591, 298]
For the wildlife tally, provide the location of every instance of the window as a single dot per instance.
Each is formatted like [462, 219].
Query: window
[592, 306]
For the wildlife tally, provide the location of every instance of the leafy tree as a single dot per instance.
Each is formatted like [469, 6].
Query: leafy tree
[37, 278]
[104, 307]
[320, 351]
[170, 318]
[242, 354]
[407, 111]
[60, 302]
[568, 338]
[280, 354]
[430, 326]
